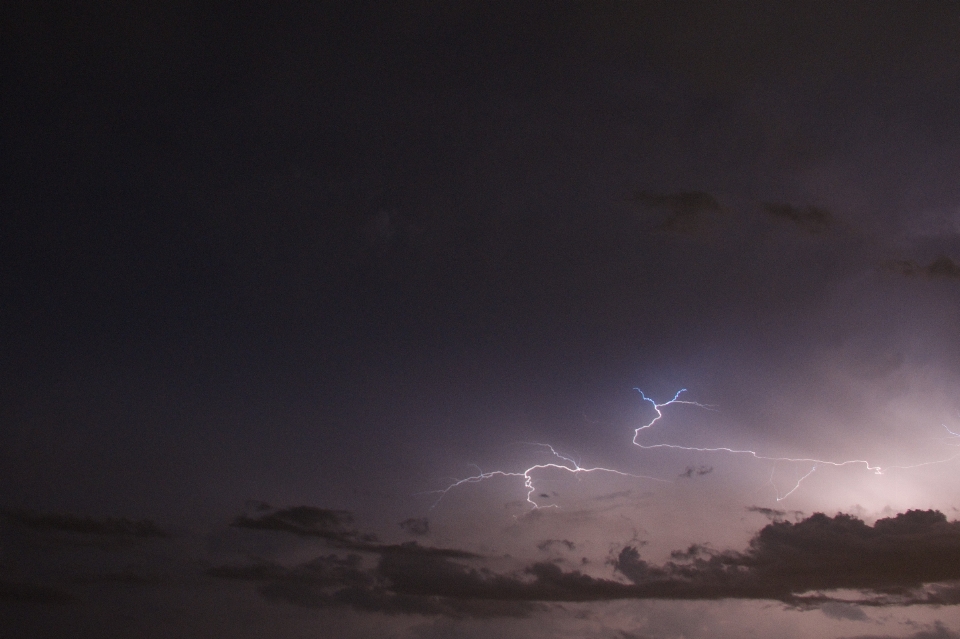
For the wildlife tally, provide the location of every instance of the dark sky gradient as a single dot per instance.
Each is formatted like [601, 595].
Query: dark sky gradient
[330, 255]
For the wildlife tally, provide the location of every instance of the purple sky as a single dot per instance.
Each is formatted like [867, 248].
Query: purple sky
[273, 277]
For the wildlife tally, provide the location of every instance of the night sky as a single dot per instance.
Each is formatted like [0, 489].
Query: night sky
[293, 294]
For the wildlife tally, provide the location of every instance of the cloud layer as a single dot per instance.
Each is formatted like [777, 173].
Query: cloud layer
[892, 562]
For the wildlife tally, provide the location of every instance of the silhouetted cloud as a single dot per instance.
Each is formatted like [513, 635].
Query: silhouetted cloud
[419, 526]
[306, 521]
[699, 471]
[889, 562]
[336, 527]
[107, 526]
[811, 219]
[770, 513]
[332, 581]
[942, 267]
[547, 544]
[686, 209]
[840, 610]
[895, 556]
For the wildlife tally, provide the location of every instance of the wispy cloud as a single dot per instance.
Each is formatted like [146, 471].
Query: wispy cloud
[418, 526]
[686, 209]
[812, 219]
[105, 527]
[336, 527]
[941, 268]
[698, 471]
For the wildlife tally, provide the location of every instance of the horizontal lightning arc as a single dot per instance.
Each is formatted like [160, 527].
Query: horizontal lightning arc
[571, 466]
[722, 449]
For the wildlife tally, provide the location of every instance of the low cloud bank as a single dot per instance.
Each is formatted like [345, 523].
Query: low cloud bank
[908, 559]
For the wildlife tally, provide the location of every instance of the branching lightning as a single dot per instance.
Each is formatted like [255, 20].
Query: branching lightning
[569, 465]
[722, 449]
[573, 468]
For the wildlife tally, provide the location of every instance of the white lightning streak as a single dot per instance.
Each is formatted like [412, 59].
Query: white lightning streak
[573, 468]
[569, 465]
[722, 449]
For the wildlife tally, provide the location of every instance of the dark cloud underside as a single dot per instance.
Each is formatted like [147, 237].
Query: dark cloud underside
[890, 562]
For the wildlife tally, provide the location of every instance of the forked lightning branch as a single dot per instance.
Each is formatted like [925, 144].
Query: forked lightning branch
[567, 464]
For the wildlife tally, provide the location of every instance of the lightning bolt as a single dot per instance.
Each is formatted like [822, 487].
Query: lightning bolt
[878, 470]
[567, 464]
[571, 466]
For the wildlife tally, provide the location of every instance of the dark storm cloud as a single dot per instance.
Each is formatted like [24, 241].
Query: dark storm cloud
[547, 544]
[106, 527]
[770, 513]
[699, 471]
[811, 219]
[419, 526]
[332, 581]
[305, 521]
[320, 572]
[941, 268]
[840, 610]
[774, 514]
[888, 562]
[894, 557]
[335, 527]
[686, 209]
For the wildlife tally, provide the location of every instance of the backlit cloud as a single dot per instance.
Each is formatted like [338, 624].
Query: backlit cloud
[892, 562]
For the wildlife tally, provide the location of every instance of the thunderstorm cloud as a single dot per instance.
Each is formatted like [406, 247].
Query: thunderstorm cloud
[911, 558]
